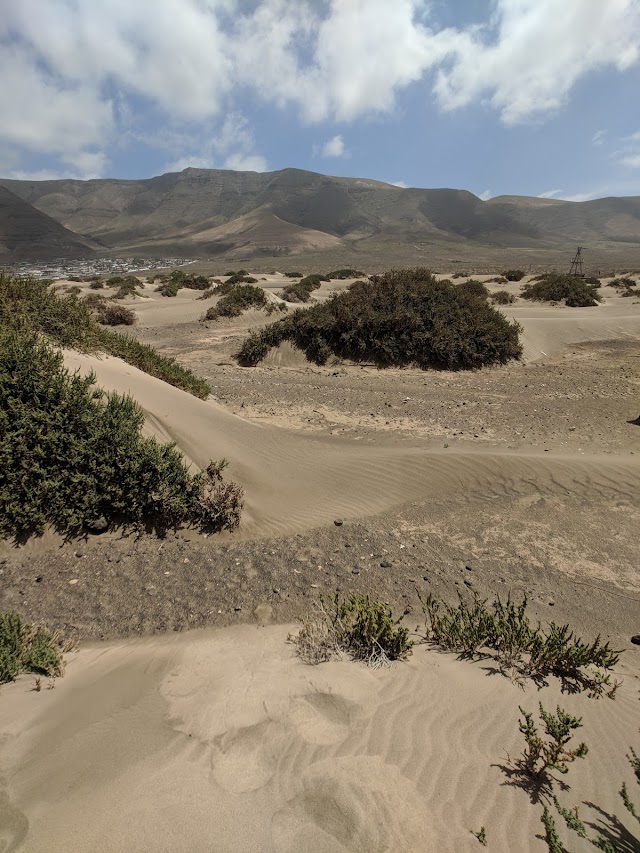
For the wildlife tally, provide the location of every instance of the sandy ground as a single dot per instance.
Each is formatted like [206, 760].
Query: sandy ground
[523, 478]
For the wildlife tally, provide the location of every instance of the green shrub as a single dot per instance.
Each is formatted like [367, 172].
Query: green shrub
[168, 288]
[115, 280]
[27, 649]
[237, 298]
[293, 274]
[622, 283]
[115, 315]
[70, 454]
[560, 287]
[503, 297]
[400, 318]
[513, 275]
[28, 305]
[474, 288]
[96, 285]
[241, 278]
[127, 287]
[520, 647]
[361, 627]
[196, 282]
[342, 274]
[302, 290]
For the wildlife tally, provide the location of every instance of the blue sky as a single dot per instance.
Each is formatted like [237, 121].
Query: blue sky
[529, 97]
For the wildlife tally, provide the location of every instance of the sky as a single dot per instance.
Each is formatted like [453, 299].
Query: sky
[518, 97]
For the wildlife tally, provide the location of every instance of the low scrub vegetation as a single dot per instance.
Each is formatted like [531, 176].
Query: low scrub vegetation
[236, 299]
[625, 286]
[348, 272]
[503, 297]
[474, 288]
[293, 275]
[96, 285]
[70, 454]
[301, 291]
[25, 648]
[115, 315]
[241, 278]
[358, 626]
[559, 287]
[30, 306]
[525, 650]
[127, 287]
[404, 317]
[513, 275]
[550, 752]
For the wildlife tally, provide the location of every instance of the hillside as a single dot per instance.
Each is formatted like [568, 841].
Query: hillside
[26, 232]
[226, 214]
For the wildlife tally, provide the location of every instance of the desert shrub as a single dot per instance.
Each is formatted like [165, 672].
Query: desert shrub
[168, 288]
[625, 286]
[115, 280]
[519, 647]
[460, 275]
[559, 287]
[145, 358]
[69, 454]
[96, 285]
[551, 752]
[241, 278]
[208, 293]
[115, 315]
[342, 274]
[94, 300]
[293, 274]
[196, 282]
[503, 297]
[28, 305]
[237, 299]
[302, 290]
[593, 280]
[513, 275]
[361, 627]
[127, 287]
[474, 288]
[497, 279]
[24, 648]
[272, 307]
[400, 318]
[74, 289]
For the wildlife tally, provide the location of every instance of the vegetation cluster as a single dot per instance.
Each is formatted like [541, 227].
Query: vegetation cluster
[575, 292]
[358, 626]
[24, 648]
[30, 306]
[399, 318]
[504, 631]
[71, 454]
[236, 299]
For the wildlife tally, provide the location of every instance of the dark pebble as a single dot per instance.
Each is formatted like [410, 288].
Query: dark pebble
[636, 639]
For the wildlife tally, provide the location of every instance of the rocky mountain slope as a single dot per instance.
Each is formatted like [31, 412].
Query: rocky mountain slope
[226, 214]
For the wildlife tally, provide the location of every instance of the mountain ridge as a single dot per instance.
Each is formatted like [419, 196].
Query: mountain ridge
[227, 214]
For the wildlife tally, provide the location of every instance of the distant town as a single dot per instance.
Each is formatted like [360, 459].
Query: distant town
[66, 267]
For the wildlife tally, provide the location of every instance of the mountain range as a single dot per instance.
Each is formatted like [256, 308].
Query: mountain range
[220, 214]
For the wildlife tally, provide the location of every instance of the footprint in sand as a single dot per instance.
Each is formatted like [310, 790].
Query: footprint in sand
[245, 759]
[351, 804]
[13, 825]
[322, 718]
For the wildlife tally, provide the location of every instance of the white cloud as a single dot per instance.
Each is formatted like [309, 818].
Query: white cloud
[533, 51]
[77, 74]
[486, 195]
[402, 184]
[631, 160]
[246, 163]
[582, 196]
[598, 137]
[333, 147]
[550, 194]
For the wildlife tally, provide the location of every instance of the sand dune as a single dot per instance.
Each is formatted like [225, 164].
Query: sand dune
[295, 481]
[225, 741]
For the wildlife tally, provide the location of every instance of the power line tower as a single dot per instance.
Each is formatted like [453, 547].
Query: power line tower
[576, 264]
